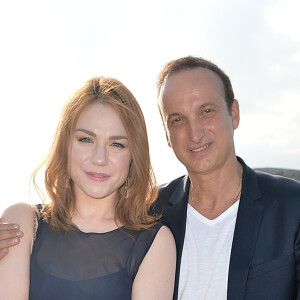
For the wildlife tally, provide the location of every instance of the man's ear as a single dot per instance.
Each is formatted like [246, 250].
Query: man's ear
[235, 114]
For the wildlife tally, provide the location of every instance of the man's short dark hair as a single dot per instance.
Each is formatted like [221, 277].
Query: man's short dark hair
[192, 62]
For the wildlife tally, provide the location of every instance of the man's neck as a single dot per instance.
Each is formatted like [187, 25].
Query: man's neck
[212, 194]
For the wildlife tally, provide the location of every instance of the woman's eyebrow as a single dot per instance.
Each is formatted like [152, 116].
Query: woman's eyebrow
[118, 137]
[91, 133]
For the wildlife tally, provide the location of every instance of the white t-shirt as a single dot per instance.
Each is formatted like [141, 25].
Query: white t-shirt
[206, 254]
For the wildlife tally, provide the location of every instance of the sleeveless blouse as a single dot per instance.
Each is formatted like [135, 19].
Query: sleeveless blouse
[76, 265]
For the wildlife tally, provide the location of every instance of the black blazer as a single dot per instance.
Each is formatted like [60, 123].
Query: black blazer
[265, 254]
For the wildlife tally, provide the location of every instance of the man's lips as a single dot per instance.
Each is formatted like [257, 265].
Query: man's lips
[99, 177]
[200, 148]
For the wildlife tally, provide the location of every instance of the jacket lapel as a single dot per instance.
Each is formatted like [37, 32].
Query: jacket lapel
[246, 229]
[175, 218]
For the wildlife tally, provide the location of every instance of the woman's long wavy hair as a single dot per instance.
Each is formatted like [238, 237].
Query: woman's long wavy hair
[139, 190]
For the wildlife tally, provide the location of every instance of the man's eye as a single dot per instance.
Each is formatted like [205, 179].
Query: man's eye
[208, 112]
[176, 120]
[85, 140]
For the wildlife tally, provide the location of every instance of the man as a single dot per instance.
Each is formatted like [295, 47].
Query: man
[236, 230]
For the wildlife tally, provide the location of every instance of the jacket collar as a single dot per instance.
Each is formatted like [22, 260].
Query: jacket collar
[175, 218]
[246, 229]
[181, 192]
[250, 190]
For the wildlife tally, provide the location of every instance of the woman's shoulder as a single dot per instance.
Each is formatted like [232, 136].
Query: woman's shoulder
[164, 235]
[157, 234]
[157, 230]
[17, 209]
[20, 213]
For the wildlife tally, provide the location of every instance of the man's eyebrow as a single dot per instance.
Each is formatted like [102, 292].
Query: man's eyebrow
[173, 115]
[91, 133]
[176, 114]
[208, 104]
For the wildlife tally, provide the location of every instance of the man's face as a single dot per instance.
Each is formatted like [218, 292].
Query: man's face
[198, 124]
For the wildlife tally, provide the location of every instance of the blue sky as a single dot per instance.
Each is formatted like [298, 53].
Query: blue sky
[48, 48]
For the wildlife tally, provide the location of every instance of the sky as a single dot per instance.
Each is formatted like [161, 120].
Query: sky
[50, 47]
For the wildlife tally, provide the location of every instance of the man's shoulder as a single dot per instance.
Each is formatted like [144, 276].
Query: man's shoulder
[283, 191]
[164, 193]
[269, 182]
[165, 190]
[277, 181]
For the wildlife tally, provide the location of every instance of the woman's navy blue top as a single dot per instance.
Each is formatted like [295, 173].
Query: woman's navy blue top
[76, 265]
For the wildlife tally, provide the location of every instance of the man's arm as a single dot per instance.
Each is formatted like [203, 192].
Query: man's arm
[10, 235]
[297, 258]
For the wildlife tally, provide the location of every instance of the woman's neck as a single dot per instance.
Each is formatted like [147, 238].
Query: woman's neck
[95, 215]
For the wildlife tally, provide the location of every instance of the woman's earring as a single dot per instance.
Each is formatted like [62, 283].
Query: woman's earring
[126, 188]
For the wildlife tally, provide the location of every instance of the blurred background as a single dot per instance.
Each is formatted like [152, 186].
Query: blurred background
[50, 47]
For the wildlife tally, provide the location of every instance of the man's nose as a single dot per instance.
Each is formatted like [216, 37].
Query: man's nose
[196, 131]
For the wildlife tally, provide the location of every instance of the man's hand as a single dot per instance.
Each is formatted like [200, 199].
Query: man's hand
[10, 235]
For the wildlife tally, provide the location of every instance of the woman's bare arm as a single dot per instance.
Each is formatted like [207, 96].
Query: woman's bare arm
[10, 235]
[156, 274]
[15, 266]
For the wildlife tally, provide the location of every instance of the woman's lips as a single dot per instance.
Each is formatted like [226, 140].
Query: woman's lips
[98, 177]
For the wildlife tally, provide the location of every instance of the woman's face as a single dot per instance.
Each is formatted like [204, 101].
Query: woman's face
[100, 155]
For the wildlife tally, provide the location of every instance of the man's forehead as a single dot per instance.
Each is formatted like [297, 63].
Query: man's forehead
[189, 78]
[191, 82]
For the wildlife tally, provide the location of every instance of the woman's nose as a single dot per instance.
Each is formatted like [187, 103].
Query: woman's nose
[100, 155]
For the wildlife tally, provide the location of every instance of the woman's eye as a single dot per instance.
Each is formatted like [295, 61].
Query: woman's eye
[118, 145]
[85, 140]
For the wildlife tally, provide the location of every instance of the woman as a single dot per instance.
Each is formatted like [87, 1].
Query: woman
[94, 239]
